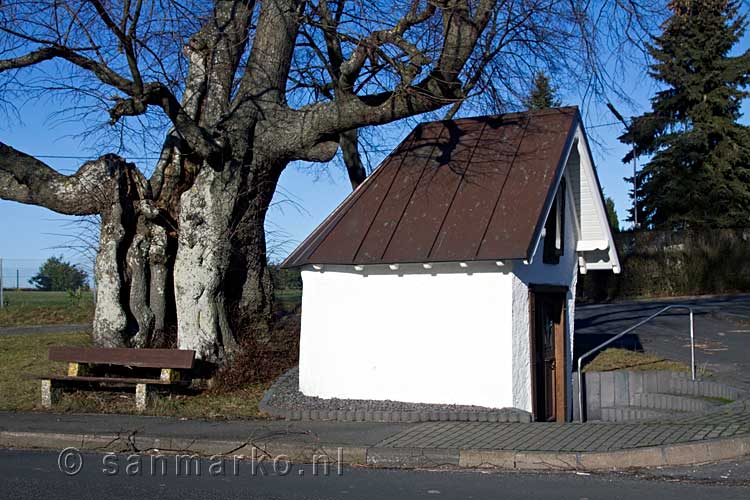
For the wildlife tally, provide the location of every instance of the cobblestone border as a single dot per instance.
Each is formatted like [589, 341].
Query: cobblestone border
[368, 415]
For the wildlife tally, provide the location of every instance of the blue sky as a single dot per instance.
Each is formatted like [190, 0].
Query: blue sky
[306, 195]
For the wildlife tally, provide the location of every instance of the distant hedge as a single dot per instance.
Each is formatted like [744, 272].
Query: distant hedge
[285, 279]
[673, 263]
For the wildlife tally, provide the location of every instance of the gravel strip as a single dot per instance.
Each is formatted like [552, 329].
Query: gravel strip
[285, 400]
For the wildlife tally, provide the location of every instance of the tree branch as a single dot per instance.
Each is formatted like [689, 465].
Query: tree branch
[264, 80]
[152, 94]
[104, 73]
[41, 55]
[157, 94]
[319, 122]
[126, 44]
[25, 179]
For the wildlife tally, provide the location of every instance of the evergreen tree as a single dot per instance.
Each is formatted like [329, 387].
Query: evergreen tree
[543, 94]
[58, 275]
[609, 204]
[699, 171]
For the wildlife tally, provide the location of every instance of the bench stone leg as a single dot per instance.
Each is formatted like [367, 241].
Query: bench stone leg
[141, 396]
[169, 375]
[50, 394]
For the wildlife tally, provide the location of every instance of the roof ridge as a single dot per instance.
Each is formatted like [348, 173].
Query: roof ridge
[512, 114]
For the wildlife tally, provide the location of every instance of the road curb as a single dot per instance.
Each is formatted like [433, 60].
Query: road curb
[381, 457]
[301, 452]
[653, 456]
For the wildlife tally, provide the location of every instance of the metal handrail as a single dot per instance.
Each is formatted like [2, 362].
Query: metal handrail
[625, 332]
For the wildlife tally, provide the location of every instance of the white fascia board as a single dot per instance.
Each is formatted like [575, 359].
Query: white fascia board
[590, 245]
[603, 266]
[582, 265]
[587, 167]
[561, 168]
[571, 202]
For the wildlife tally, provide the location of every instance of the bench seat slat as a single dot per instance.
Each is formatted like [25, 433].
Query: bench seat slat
[110, 380]
[141, 358]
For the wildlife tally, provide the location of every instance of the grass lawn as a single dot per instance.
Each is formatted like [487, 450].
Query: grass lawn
[623, 359]
[25, 355]
[46, 308]
[27, 308]
[288, 300]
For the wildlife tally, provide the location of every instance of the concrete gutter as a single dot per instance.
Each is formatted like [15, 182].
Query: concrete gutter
[306, 452]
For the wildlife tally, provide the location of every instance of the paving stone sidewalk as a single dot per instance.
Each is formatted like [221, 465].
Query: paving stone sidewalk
[728, 421]
[718, 435]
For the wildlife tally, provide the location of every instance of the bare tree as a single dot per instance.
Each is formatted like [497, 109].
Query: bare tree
[246, 88]
[580, 44]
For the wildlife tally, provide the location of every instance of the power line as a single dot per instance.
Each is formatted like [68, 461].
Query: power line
[65, 157]
[604, 125]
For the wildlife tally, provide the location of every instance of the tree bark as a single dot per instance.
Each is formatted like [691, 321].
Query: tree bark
[249, 286]
[201, 264]
[110, 319]
[349, 142]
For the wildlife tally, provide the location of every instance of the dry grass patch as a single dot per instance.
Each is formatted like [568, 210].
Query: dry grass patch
[624, 359]
[22, 356]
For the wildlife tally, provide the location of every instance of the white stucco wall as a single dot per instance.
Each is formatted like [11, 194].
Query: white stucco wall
[437, 336]
[521, 346]
[444, 335]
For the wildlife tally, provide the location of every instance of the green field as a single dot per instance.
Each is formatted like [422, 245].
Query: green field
[45, 299]
[31, 307]
[27, 307]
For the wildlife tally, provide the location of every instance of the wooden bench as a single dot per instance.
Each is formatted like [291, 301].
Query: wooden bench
[159, 367]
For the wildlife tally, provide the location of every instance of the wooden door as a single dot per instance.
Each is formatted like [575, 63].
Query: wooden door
[548, 356]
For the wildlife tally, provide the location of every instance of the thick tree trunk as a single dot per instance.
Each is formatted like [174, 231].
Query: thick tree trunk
[110, 319]
[132, 265]
[249, 286]
[349, 142]
[186, 267]
[161, 288]
[202, 261]
[131, 279]
[222, 286]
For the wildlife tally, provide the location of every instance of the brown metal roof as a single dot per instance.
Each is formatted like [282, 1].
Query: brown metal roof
[458, 190]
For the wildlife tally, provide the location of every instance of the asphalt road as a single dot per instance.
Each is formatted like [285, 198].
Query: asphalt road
[34, 474]
[722, 332]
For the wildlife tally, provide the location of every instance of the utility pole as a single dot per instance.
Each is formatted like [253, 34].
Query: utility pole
[18, 283]
[635, 166]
